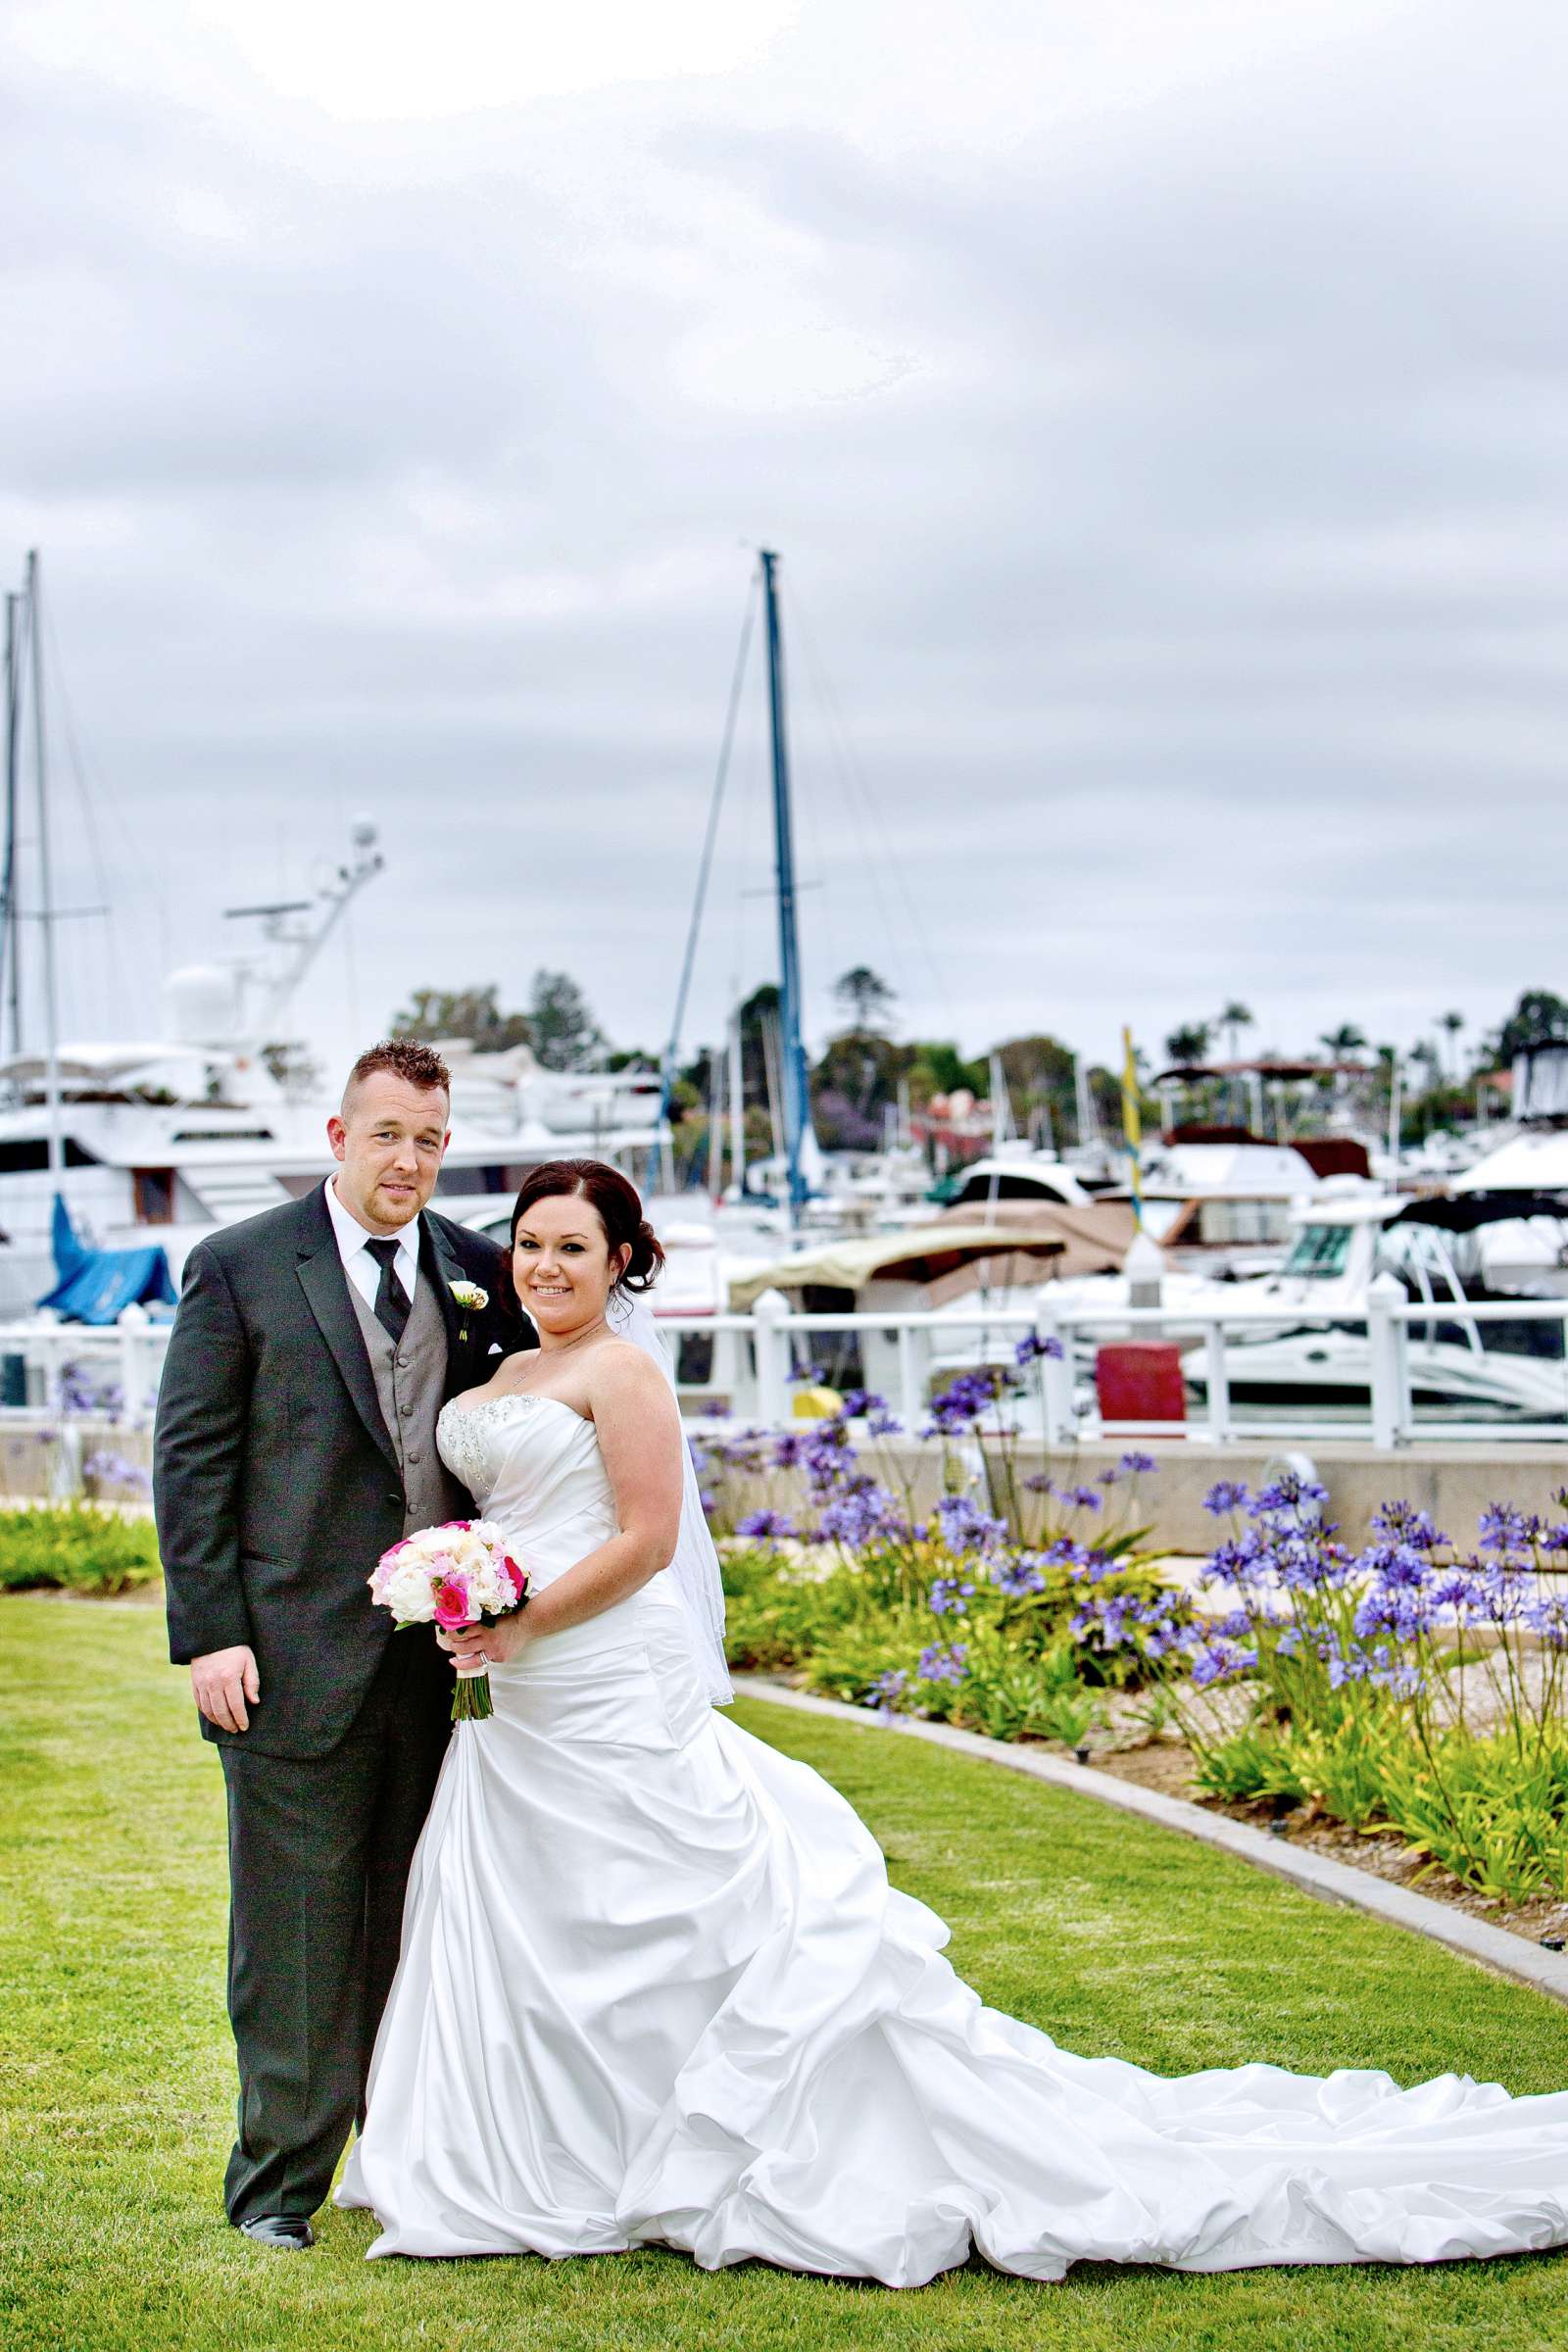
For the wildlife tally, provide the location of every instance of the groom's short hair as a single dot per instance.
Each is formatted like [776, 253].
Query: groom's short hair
[416, 1064]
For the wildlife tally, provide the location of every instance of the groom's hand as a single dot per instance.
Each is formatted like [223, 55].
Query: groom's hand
[222, 1681]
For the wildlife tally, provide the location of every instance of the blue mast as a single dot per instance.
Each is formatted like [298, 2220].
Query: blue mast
[797, 1098]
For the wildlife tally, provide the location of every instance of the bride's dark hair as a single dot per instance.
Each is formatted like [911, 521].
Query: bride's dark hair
[620, 1213]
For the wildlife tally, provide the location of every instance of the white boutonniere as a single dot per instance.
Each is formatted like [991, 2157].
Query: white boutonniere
[471, 1300]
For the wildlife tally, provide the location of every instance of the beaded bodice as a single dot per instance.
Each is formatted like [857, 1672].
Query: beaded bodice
[532, 1464]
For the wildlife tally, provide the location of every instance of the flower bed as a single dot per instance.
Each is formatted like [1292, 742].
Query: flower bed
[963, 1612]
[1409, 1688]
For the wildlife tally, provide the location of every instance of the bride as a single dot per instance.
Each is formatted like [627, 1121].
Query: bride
[654, 1987]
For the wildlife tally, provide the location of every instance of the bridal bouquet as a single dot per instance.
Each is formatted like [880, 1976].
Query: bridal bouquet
[454, 1576]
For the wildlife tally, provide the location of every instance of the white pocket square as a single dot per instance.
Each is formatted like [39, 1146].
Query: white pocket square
[494, 1347]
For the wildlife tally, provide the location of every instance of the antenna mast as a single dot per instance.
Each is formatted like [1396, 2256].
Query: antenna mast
[10, 943]
[46, 916]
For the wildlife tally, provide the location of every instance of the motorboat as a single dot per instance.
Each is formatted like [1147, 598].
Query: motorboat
[1434, 1250]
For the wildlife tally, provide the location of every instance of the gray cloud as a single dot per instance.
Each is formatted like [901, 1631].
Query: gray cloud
[1163, 432]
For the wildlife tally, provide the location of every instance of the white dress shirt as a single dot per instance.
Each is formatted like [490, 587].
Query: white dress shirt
[361, 1269]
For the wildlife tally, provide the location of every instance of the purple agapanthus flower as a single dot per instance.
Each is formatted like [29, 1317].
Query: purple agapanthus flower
[114, 1470]
[1403, 1522]
[1138, 1465]
[951, 1598]
[964, 1527]
[1032, 1347]
[857, 1517]
[1218, 1661]
[1021, 1575]
[769, 1526]
[1226, 1494]
[1503, 1529]
[887, 1688]
[944, 1662]
[1290, 1491]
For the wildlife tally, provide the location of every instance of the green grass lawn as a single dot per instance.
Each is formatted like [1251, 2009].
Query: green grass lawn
[1111, 1934]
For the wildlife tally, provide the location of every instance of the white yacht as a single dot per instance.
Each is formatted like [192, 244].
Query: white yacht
[1436, 1251]
[159, 1142]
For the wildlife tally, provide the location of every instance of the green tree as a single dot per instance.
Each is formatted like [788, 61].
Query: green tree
[471, 1012]
[1537, 1020]
[1345, 1042]
[1039, 1075]
[1036, 1067]
[937, 1067]
[562, 1031]
[1189, 1043]
[865, 997]
[293, 1066]
[857, 1075]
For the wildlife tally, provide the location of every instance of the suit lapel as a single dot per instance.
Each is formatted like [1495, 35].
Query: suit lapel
[439, 1265]
[326, 1289]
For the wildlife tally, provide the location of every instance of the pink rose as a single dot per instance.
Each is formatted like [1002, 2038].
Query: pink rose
[519, 1580]
[452, 1610]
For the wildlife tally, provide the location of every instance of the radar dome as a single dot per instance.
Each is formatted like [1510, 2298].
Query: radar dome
[202, 1007]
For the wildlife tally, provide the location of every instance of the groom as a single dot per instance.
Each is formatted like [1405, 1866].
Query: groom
[313, 1349]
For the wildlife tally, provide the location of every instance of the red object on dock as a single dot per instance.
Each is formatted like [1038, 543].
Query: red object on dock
[1140, 1380]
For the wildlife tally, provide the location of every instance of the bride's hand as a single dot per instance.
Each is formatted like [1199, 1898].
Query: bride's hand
[488, 1645]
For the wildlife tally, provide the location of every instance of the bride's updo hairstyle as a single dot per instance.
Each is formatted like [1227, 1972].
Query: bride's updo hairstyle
[620, 1213]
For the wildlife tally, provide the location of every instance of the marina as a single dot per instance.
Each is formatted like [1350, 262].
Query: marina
[1310, 1287]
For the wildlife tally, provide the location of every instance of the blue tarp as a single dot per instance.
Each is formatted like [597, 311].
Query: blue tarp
[96, 1284]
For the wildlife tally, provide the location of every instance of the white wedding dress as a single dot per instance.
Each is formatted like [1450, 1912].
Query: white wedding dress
[656, 1989]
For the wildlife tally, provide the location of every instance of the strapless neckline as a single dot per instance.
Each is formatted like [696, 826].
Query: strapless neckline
[493, 1406]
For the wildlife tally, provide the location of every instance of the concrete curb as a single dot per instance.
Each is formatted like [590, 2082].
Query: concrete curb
[1316, 1874]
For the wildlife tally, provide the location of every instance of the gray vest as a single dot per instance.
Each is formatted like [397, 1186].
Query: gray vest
[410, 1381]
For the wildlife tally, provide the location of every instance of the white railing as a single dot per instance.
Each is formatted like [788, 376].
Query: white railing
[921, 1362]
[912, 1352]
[126, 1359]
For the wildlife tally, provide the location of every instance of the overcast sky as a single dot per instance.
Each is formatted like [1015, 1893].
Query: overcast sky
[1160, 413]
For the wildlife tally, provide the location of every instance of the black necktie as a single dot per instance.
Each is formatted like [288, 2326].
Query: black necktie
[391, 1298]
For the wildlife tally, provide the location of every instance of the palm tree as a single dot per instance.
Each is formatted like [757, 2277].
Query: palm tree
[1235, 1017]
[1426, 1053]
[1454, 1022]
[1344, 1041]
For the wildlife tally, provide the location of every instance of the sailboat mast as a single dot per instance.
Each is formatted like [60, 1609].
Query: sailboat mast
[46, 917]
[796, 1101]
[10, 944]
[737, 1104]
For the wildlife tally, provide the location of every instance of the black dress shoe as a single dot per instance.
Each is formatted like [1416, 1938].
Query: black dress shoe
[289, 2232]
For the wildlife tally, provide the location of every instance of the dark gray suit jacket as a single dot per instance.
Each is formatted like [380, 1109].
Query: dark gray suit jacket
[276, 1482]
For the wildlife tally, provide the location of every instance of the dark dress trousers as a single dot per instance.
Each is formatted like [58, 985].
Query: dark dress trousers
[277, 1486]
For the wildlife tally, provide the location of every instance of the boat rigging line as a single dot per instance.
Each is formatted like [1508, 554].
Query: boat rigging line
[877, 849]
[705, 868]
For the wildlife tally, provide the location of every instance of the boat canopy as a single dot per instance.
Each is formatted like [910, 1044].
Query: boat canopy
[1466, 1213]
[923, 1254]
[96, 1286]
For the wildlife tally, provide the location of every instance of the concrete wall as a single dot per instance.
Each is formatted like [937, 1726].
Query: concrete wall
[47, 1461]
[1455, 1483]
